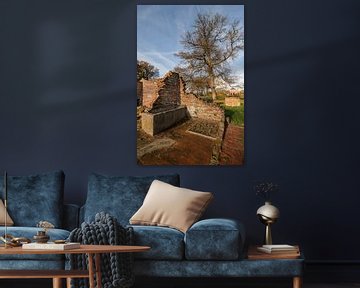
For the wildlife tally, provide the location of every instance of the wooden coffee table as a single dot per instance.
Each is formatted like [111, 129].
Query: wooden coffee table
[92, 251]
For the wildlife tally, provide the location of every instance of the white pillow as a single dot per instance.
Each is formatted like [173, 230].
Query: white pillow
[170, 206]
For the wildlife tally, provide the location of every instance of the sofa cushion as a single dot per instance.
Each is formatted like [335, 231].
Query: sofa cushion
[165, 243]
[35, 198]
[29, 232]
[119, 196]
[9, 221]
[169, 206]
[214, 239]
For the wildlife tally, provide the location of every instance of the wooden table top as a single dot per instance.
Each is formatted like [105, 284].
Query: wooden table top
[254, 254]
[91, 249]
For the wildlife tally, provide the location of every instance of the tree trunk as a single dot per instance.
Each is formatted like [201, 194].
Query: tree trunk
[212, 86]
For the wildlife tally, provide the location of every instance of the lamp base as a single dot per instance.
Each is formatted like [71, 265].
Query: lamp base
[268, 237]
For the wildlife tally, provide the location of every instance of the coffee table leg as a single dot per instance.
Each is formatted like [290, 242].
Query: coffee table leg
[68, 282]
[57, 283]
[91, 270]
[297, 282]
[98, 270]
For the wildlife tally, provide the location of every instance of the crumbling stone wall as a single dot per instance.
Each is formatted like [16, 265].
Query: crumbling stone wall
[198, 108]
[169, 91]
[163, 100]
[139, 93]
[148, 92]
[160, 94]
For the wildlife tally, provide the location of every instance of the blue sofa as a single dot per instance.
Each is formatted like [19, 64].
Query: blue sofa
[210, 248]
[32, 199]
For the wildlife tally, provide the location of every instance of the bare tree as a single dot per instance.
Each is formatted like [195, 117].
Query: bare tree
[194, 84]
[209, 47]
[146, 71]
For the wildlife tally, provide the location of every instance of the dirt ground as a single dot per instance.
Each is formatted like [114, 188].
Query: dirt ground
[190, 143]
[175, 146]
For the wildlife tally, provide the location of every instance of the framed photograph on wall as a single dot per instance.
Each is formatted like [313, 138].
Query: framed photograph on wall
[190, 84]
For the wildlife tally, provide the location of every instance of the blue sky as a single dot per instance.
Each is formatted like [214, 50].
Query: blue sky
[160, 27]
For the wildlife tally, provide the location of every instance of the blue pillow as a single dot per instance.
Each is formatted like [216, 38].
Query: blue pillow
[35, 198]
[120, 196]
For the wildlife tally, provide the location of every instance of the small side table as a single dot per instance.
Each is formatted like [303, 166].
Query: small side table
[255, 255]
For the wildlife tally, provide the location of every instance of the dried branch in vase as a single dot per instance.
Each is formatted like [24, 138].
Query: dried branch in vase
[264, 189]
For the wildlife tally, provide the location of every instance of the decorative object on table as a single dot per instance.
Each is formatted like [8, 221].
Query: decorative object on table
[5, 215]
[60, 241]
[268, 213]
[4, 238]
[8, 239]
[11, 241]
[41, 236]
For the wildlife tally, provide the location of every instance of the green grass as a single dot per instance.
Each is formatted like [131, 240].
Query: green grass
[236, 114]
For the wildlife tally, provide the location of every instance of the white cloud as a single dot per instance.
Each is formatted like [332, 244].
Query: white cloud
[162, 61]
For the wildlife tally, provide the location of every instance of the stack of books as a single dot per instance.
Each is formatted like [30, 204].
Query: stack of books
[279, 249]
[282, 251]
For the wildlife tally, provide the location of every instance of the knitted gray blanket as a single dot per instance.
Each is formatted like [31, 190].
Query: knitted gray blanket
[116, 268]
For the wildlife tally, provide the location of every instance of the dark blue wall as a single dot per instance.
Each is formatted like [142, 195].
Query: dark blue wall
[67, 100]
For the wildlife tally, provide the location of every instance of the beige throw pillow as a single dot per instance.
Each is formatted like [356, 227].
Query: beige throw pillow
[170, 206]
[9, 221]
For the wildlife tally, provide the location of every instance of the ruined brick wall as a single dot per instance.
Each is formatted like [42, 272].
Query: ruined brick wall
[182, 88]
[200, 109]
[139, 90]
[149, 92]
[162, 93]
[169, 91]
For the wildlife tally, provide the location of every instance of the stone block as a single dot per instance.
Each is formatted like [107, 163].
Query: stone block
[153, 123]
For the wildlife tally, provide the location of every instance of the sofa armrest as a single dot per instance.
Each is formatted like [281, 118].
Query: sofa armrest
[71, 216]
[81, 214]
[215, 239]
